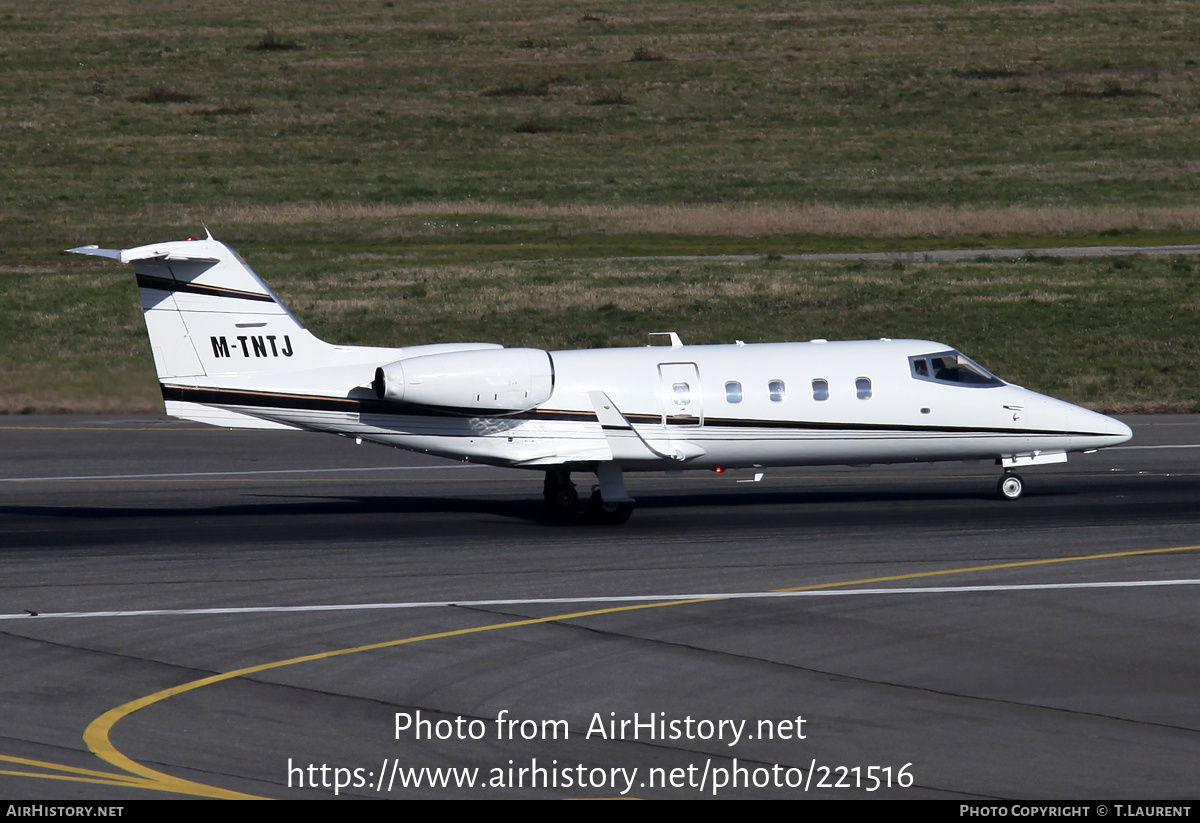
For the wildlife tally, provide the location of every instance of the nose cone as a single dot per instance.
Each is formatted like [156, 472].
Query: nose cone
[1104, 430]
[1086, 429]
[1118, 431]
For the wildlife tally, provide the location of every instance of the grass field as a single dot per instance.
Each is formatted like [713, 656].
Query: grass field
[1116, 334]
[409, 172]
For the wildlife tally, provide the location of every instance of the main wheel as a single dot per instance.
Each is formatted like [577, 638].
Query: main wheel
[561, 499]
[606, 512]
[1011, 487]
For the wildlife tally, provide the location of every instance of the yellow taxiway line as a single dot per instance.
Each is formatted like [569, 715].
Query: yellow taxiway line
[137, 775]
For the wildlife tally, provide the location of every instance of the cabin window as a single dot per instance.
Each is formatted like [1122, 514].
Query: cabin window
[863, 386]
[683, 394]
[733, 392]
[778, 391]
[820, 389]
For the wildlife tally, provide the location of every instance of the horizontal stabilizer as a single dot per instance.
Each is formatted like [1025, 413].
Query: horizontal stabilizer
[96, 251]
[146, 253]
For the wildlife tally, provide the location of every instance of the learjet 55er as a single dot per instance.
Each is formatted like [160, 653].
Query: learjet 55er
[229, 353]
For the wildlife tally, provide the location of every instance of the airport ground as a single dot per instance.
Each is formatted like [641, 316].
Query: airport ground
[189, 612]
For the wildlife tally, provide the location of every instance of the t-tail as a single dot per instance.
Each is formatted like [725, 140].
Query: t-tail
[208, 313]
[229, 353]
[226, 346]
[210, 316]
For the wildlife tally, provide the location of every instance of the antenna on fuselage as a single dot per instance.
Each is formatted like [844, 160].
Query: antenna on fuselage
[676, 343]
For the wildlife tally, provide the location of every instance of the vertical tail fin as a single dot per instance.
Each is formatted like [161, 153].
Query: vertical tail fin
[228, 352]
[209, 314]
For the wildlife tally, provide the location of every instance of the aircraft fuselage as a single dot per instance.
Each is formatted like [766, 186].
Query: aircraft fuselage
[228, 352]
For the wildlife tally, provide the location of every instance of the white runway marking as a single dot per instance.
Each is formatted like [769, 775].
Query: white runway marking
[1183, 446]
[643, 598]
[239, 473]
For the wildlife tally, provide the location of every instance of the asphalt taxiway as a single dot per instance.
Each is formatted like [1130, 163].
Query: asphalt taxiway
[188, 611]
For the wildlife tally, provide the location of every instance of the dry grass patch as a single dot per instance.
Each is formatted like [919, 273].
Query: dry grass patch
[1119, 338]
[742, 220]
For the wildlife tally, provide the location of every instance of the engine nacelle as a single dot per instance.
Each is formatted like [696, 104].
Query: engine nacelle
[487, 380]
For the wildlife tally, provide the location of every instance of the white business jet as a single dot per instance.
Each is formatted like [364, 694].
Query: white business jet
[229, 353]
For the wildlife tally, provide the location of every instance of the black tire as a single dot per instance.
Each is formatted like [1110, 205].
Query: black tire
[605, 512]
[561, 499]
[1010, 487]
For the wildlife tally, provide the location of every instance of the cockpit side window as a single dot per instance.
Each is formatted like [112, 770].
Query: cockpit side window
[952, 368]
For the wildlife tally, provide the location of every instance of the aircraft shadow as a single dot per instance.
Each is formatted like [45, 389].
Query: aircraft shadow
[379, 518]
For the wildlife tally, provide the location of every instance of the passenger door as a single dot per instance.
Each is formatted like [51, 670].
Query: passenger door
[682, 398]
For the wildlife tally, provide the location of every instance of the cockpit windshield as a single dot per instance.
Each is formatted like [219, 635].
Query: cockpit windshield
[953, 368]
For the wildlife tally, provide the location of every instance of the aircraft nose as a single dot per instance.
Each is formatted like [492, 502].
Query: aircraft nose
[1101, 429]
[1113, 431]
[1119, 430]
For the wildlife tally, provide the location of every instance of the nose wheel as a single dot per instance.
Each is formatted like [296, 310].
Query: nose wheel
[1011, 487]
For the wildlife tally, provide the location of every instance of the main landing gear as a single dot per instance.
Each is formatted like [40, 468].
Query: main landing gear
[609, 502]
[559, 492]
[609, 511]
[1011, 486]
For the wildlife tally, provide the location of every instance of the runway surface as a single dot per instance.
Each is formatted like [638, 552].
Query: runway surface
[225, 612]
